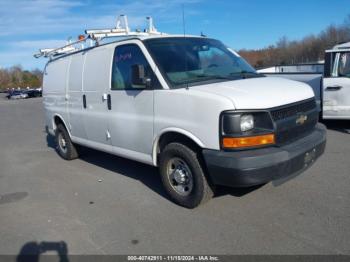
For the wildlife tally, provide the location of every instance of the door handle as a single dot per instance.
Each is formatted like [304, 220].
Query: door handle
[104, 97]
[333, 88]
[109, 102]
[84, 101]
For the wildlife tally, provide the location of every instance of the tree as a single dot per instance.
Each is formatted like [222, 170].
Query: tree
[309, 49]
[15, 76]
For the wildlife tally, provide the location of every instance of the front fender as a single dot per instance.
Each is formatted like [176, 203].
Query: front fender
[174, 130]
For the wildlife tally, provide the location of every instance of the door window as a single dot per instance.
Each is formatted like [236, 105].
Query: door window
[344, 65]
[126, 57]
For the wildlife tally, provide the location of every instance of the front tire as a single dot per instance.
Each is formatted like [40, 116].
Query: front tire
[183, 176]
[64, 146]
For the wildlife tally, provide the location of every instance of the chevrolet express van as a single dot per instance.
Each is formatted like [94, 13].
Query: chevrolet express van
[188, 105]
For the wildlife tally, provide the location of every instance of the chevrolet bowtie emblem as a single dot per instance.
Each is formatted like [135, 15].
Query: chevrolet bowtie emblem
[301, 118]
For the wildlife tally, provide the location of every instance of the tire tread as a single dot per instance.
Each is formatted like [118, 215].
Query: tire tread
[72, 152]
[206, 190]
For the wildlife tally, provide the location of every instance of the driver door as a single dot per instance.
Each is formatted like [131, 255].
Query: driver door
[131, 105]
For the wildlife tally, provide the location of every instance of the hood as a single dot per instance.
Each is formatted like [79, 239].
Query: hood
[259, 93]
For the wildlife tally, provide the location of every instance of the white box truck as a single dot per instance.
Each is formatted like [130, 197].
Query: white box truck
[187, 104]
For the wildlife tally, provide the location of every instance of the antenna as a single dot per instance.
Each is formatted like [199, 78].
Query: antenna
[183, 19]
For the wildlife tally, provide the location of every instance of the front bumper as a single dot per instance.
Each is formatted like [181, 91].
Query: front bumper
[259, 166]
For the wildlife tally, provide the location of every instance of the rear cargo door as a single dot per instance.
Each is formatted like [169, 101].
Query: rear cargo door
[55, 89]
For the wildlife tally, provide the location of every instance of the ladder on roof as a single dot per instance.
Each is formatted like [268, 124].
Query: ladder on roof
[121, 30]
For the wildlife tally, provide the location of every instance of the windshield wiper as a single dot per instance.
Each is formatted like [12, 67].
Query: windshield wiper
[199, 78]
[247, 74]
[213, 76]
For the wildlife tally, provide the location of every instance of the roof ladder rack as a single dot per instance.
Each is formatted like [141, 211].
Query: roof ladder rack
[68, 48]
[121, 30]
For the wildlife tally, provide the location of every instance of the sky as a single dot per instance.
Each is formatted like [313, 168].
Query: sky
[27, 25]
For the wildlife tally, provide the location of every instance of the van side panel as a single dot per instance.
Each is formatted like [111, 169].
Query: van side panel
[96, 82]
[75, 96]
[54, 91]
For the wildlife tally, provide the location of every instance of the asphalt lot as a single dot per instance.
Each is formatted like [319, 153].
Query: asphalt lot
[103, 204]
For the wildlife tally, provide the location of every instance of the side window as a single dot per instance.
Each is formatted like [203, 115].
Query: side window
[344, 65]
[126, 60]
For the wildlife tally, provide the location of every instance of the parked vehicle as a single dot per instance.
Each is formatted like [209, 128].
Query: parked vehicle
[33, 93]
[317, 68]
[22, 94]
[336, 103]
[332, 89]
[315, 81]
[187, 104]
[17, 95]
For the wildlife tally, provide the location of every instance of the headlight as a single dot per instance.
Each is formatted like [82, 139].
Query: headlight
[246, 129]
[247, 122]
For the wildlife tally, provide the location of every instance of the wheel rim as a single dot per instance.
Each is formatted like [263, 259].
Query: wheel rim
[180, 176]
[62, 144]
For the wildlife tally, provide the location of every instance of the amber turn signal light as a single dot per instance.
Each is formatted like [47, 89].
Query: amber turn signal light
[248, 141]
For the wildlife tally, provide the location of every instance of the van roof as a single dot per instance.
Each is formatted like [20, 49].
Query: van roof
[126, 38]
[146, 37]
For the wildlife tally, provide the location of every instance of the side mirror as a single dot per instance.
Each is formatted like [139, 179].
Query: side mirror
[139, 78]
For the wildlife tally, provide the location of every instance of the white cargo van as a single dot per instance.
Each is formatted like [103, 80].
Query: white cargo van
[189, 105]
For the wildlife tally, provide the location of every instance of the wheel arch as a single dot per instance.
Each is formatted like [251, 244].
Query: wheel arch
[58, 119]
[169, 135]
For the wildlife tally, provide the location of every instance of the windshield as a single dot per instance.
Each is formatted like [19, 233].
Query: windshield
[192, 61]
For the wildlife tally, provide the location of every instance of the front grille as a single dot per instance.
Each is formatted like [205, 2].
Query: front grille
[291, 134]
[292, 110]
[287, 129]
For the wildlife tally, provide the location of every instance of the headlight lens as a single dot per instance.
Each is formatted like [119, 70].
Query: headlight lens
[246, 129]
[247, 122]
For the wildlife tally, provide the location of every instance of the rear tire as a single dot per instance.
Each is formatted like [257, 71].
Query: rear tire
[64, 146]
[183, 176]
